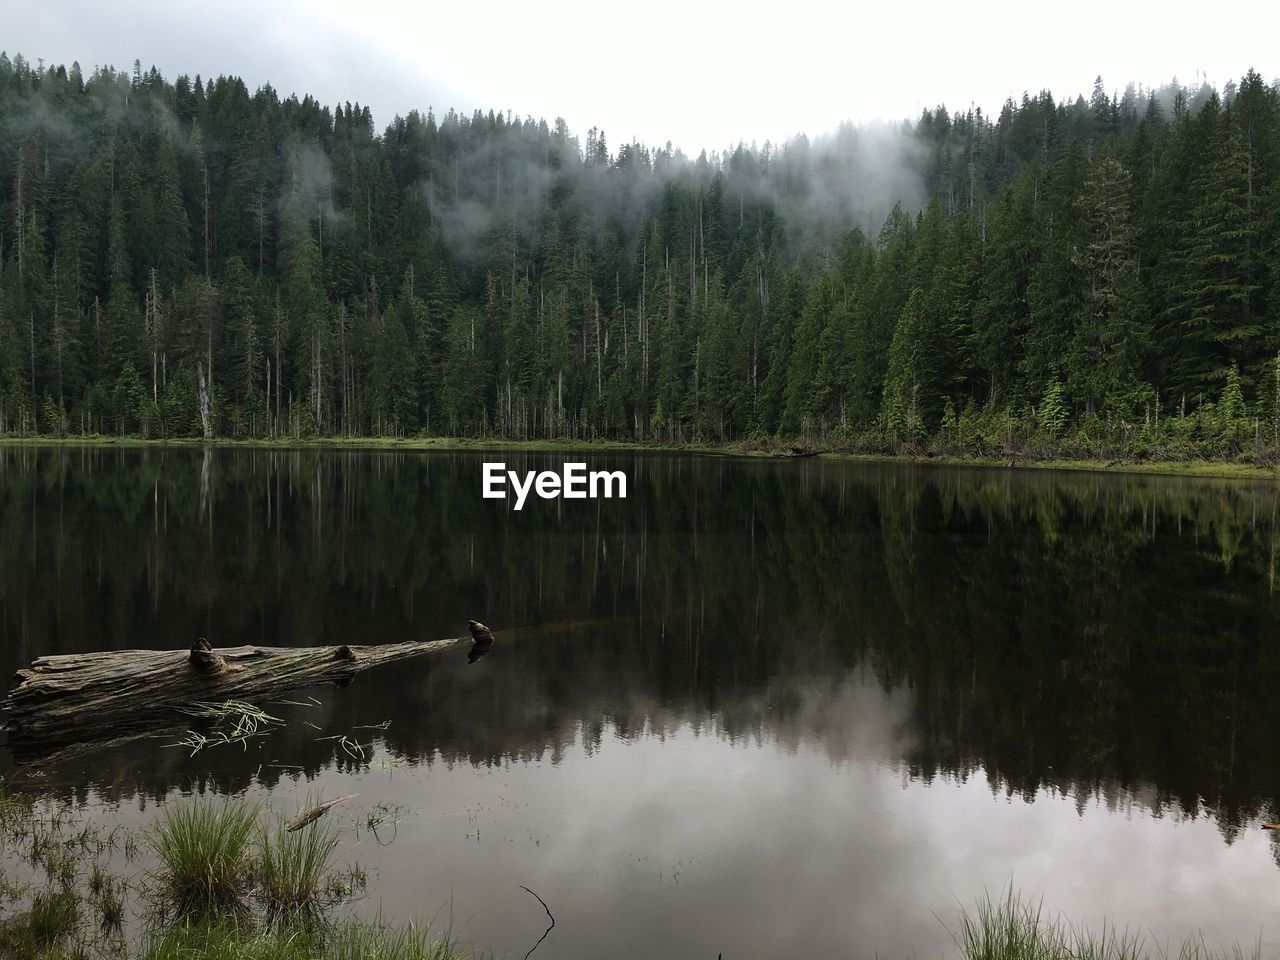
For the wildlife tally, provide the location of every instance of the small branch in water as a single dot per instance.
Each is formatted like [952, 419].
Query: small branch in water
[549, 917]
[315, 812]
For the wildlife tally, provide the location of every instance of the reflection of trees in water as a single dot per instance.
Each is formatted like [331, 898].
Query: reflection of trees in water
[1086, 634]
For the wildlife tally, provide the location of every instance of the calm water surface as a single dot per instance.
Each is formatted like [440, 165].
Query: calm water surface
[756, 708]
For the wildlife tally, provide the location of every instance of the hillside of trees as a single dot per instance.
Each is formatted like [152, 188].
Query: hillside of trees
[1081, 276]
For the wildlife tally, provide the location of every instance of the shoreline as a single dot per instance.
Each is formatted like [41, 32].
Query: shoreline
[234, 880]
[1221, 469]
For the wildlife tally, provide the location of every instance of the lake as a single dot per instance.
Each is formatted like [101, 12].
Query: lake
[757, 708]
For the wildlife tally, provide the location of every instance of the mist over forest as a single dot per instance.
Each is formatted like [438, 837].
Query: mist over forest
[189, 257]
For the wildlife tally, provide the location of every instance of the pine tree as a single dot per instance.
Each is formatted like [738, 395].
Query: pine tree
[1231, 408]
[1213, 288]
[1104, 358]
[1053, 410]
[911, 376]
[243, 368]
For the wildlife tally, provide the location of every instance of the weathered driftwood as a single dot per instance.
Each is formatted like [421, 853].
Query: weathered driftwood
[66, 694]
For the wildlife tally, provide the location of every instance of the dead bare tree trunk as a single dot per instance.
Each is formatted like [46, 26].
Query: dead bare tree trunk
[202, 390]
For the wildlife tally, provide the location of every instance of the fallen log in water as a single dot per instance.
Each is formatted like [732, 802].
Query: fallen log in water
[65, 695]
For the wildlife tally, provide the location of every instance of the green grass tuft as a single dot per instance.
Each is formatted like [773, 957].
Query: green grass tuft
[295, 872]
[352, 941]
[362, 941]
[203, 850]
[1011, 928]
[50, 921]
[106, 895]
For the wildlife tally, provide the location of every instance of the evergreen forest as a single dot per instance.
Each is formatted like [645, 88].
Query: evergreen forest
[1091, 276]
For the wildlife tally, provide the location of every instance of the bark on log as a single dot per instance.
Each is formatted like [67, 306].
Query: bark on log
[64, 695]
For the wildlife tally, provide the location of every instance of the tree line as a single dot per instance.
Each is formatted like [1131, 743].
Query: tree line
[190, 258]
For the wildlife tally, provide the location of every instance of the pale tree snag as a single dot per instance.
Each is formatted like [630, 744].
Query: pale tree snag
[202, 395]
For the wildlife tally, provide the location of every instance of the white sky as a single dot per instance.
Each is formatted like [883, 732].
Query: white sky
[698, 74]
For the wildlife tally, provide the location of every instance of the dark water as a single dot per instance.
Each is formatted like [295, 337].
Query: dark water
[756, 708]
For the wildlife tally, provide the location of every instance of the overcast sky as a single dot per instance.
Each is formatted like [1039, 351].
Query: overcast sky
[698, 74]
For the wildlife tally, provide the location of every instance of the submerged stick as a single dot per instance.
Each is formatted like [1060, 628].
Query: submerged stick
[549, 917]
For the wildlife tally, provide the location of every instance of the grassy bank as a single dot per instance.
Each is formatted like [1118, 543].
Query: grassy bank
[1170, 468]
[1189, 466]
